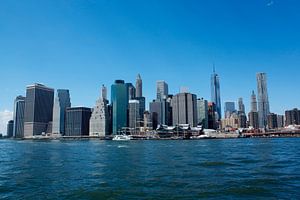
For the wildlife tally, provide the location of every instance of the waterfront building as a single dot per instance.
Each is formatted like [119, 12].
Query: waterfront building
[212, 120]
[280, 121]
[229, 109]
[10, 129]
[156, 106]
[134, 115]
[131, 91]
[202, 112]
[292, 117]
[18, 117]
[77, 121]
[100, 120]
[119, 101]
[147, 121]
[231, 122]
[61, 103]
[38, 109]
[215, 94]
[253, 119]
[272, 121]
[263, 99]
[184, 108]
[162, 90]
[139, 86]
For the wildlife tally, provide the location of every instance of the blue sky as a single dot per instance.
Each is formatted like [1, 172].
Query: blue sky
[82, 44]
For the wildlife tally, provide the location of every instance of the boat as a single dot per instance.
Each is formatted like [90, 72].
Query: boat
[122, 137]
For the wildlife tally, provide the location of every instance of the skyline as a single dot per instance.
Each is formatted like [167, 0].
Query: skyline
[80, 46]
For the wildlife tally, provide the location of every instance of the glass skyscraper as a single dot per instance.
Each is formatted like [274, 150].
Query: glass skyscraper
[161, 90]
[19, 107]
[119, 101]
[202, 112]
[263, 99]
[61, 102]
[215, 93]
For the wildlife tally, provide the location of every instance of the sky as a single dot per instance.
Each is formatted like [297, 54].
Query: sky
[82, 44]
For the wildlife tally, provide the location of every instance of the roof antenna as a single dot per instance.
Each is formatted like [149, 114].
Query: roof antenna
[214, 68]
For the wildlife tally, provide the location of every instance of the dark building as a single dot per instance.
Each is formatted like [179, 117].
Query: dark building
[212, 121]
[131, 91]
[38, 109]
[242, 120]
[292, 117]
[10, 128]
[154, 119]
[253, 119]
[77, 121]
[19, 108]
[272, 121]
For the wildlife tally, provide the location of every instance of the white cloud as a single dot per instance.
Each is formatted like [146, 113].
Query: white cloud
[270, 3]
[5, 116]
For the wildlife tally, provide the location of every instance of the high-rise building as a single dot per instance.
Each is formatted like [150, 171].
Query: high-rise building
[202, 112]
[139, 86]
[147, 121]
[119, 101]
[241, 106]
[38, 109]
[229, 109]
[272, 121]
[215, 93]
[263, 99]
[242, 120]
[253, 119]
[61, 103]
[19, 108]
[292, 117]
[10, 129]
[77, 121]
[212, 120]
[157, 107]
[253, 102]
[142, 107]
[134, 114]
[131, 91]
[231, 122]
[184, 107]
[280, 121]
[100, 120]
[162, 90]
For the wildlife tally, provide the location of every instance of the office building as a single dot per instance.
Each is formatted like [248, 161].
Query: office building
[280, 121]
[162, 90]
[61, 103]
[263, 99]
[38, 109]
[77, 121]
[100, 120]
[253, 102]
[253, 119]
[18, 117]
[10, 129]
[134, 115]
[229, 109]
[131, 91]
[272, 121]
[139, 86]
[292, 117]
[241, 106]
[157, 107]
[184, 108]
[215, 93]
[202, 112]
[119, 102]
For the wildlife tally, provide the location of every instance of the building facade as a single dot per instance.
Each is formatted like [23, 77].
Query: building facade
[18, 117]
[202, 112]
[263, 99]
[38, 109]
[77, 121]
[272, 121]
[134, 115]
[229, 109]
[162, 90]
[139, 86]
[292, 117]
[216, 94]
[10, 129]
[61, 102]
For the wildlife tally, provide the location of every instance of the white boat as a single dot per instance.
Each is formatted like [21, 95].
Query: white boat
[122, 137]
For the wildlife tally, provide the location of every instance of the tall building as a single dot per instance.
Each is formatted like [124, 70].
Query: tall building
[292, 117]
[38, 109]
[157, 108]
[147, 121]
[162, 90]
[253, 102]
[215, 93]
[184, 107]
[139, 86]
[229, 109]
[131, 91]
[134, 114]
[242, 120]
[19, 108]
[212, 122]
[61, 103]
[202, 112]
[119, 101]
[100, 120]
[142, 107]
[10, 129]
[280, 121]
[253, 119]
[263, 99]
[77, 121]
[241, 105]
[272, 121]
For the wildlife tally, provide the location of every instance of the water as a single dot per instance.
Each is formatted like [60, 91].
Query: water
[210, 169]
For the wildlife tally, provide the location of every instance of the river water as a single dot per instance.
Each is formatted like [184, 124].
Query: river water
[203, 169]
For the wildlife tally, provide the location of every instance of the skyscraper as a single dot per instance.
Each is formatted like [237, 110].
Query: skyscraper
[241, 105]
[292, 117]
[263, 99]
[156, 110]
[10, 128]
[119, 101]
[19, 108]
[134, 114]
[139, 86]
[202, 112]
[38, 109]
[61, 103]
[131, 91]
[184, 107]
[77, 121]
[162, 90]
[99, 121]
[229, 109]
[215, 93]
[253, 102]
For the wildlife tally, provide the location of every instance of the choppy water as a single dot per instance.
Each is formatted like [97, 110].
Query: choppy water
[210, 169]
